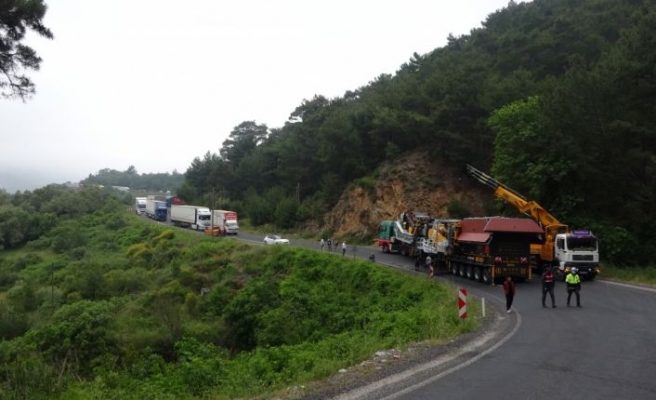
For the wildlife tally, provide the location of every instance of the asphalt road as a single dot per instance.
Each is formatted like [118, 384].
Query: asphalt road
[604, 350]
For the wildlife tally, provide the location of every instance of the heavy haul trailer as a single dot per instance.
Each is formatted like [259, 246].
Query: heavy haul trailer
[489, 249]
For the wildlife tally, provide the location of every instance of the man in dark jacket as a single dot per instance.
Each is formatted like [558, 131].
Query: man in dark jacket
[548, 283]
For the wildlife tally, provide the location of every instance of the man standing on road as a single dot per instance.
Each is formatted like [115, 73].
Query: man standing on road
[343, 249]
[548, 283]
[509, 291]
[573, 281]
[322, 243]
[429, 266]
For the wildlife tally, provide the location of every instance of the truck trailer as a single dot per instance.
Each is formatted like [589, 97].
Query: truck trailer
[488, 249]
[226, 221]
[194, 217]
[156, 209]
[484, 249]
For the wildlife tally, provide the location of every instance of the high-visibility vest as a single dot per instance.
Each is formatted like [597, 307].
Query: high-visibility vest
[573, 279]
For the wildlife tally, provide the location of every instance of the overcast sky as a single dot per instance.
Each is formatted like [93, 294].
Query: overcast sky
[156, 83]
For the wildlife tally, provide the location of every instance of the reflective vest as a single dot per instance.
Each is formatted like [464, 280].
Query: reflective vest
[573, 279]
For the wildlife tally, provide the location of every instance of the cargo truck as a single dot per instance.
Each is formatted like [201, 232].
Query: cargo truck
[226, 221]
[156, 209]
[194, 217]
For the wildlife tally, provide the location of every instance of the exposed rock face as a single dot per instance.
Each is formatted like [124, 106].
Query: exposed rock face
[414, 183]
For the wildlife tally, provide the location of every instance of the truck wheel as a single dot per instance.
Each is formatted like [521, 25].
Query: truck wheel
[486, 276]
[469, 272]
[385, 248]
[461, 270]
[477, 274]
[454, 268]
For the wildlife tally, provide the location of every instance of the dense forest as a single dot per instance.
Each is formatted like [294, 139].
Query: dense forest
[555, 97]
[97, 303]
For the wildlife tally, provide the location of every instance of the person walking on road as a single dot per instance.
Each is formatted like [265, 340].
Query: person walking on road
[509, 291]
[343, 249]
[330, 245]
[548, 283]
[429, 266]
[573, 281]
[323, 243]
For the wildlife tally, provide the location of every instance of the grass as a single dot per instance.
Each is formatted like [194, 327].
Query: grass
[640, 276]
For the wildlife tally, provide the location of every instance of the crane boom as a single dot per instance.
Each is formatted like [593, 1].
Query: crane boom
[529, 208]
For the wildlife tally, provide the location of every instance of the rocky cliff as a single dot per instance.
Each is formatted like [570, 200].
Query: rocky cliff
[413, 183]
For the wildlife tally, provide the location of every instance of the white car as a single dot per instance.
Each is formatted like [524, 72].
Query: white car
[275, 239]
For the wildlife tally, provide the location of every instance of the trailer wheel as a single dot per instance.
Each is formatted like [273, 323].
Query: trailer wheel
[486, 276]
[469, 272]
[461, 270]
[454, 268]
[386, 248]
[477, 274]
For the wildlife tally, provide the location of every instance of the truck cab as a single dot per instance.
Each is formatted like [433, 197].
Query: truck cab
[579, 249]
[140, 205]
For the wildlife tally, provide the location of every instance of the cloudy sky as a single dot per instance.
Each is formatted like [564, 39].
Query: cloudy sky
[156, 83]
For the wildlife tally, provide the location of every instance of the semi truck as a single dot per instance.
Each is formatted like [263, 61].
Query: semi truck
[194, 217]
[140, 205]
[156, 209]
[226, 221]
[559, 247]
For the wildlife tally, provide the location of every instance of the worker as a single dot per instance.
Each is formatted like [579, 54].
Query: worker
[573, 281]
[429, 266]
[372, 257]
[548, 283]
[343, 248]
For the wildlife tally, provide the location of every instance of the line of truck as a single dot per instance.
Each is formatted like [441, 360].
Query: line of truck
[487, 249]
[172, 209]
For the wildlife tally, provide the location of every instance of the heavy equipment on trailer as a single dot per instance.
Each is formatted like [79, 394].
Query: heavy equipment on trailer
[559, 246]
[484, 249]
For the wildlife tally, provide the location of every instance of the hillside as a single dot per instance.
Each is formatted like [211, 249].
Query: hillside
[552, 97]
[416, 182]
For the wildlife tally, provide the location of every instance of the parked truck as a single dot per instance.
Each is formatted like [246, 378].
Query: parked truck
[156, 209]
[559, 247]
[226, 221]
[140, 205]
[194, 217]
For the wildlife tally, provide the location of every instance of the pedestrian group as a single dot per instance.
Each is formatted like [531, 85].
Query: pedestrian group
[572, 281]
